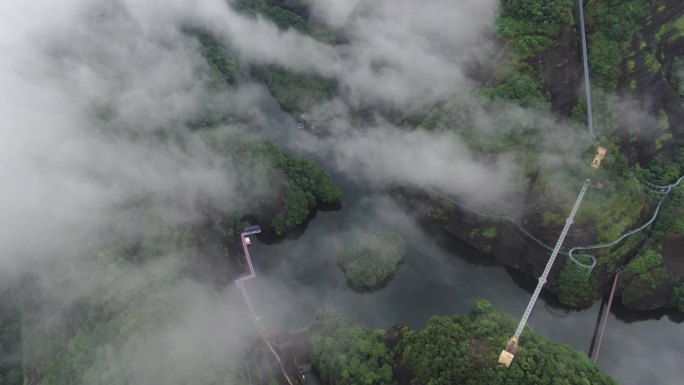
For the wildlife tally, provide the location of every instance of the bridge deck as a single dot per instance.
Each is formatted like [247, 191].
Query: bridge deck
[597, 349]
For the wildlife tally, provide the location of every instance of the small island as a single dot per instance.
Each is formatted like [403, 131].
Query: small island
[371, 261]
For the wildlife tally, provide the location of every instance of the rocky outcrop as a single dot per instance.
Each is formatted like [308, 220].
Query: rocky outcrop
[634, 296]
[508, 245]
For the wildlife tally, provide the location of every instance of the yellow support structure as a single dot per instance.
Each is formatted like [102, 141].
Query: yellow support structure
[508, 354]
[600, 153]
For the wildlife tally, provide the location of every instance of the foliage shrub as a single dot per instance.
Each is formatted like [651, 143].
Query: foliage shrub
[606, 56]
[535, 17]
[464, 350]
[223, 64]
[304, 185]
[297, 91]
[642, 266]
[449, 350]
[281, 17]
[10, 340]
[613, 25]
[678, 296]
[373, 258]
[345, 354]
[574, 285]
[643, 275]
[523, 88]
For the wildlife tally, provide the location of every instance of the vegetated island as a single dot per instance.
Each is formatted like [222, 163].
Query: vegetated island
[461, 349]
[371, 261]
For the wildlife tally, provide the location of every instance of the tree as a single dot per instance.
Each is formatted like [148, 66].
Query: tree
[574, 285]
[372, 259]
[450, 350]
[349, 355]
[678, 296]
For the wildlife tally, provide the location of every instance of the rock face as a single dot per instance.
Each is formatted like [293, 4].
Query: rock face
[510, 246]
[633, 297]
[562, 70]
[673, 254]
[647, 76]
[500, 239]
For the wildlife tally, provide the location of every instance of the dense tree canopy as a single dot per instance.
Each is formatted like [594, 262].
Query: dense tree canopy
[306, 187]
[372, 259]
[678, 296]
[10, 340]
[643, 275]
[297, 91]
[575, 285]
[535, 17]
[349, 355]
[90, 341]
[449, 350]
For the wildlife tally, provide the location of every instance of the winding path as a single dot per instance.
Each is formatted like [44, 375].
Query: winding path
[663, 190]
[240, 283]
[653, 188]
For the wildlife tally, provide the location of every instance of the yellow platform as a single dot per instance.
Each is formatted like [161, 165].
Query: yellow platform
[600, 153]
[506, 358]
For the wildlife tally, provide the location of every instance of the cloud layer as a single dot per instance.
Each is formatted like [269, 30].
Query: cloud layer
[95, 96]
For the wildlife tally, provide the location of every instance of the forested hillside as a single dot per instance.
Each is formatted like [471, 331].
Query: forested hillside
[460, 349]
[633, 54]
[95, 339]
[540, 69]
[118, 310]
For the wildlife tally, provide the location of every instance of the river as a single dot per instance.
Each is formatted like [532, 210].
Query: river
[441, 276]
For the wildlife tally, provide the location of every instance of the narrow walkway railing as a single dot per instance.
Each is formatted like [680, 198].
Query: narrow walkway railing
[549, 264]
[587, 80]
[571, 253]
[597, 350]
[240, 283]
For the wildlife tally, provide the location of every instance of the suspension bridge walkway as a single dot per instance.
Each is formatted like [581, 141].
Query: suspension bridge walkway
[508, 354]
[662, 190]
[587, 78]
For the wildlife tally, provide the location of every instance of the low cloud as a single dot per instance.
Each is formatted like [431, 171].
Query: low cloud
[96, 96]
[334, 13]
[411, 54]
[633, 116]
[86, 100]
[439, 161]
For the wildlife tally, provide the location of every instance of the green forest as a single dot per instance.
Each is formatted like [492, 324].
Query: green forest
[623, 40]
[94, 345]
[372, 259]
[461, 349]
[635, 48]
